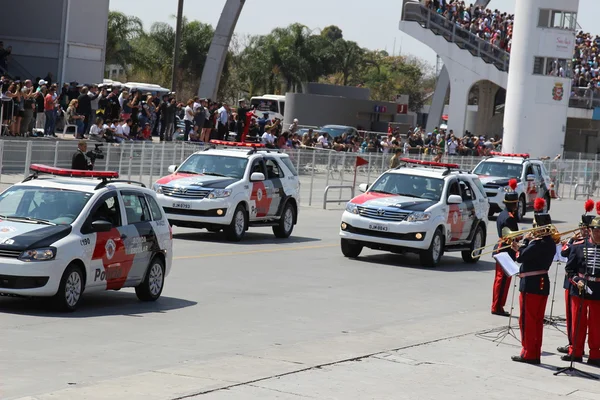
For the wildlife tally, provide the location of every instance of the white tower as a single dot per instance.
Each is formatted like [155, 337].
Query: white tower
[539, 84]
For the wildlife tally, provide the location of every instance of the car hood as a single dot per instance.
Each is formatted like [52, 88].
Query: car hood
[495, 180]
[374, 199]
[203, 181]
[23, 236]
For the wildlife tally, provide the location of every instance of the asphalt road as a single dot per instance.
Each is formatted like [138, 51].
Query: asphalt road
[236, 313]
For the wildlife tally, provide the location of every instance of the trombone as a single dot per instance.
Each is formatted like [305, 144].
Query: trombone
[509, 237]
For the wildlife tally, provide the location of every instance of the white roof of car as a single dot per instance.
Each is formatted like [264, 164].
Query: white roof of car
[238, 152]
[429, 172]
[508, 160]
[78, 184]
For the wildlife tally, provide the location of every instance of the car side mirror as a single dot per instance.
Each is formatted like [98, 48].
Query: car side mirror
[363, 187]
[172, 168]
[530, 178]
[101, 226]
[257, 177]
[454, 199]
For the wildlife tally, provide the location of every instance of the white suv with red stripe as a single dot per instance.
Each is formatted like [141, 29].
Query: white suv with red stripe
[232, 189]
[63, 232]
[422, 207]
[533, 181]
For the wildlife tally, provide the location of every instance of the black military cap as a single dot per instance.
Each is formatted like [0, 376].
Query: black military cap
[586, 220]
[511, 197]
[542, 219]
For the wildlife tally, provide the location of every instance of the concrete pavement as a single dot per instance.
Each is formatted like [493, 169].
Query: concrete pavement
[273, 319]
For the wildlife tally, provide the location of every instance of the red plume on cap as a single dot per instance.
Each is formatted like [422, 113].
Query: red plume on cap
[539, 204]
[513, 184]
[589, 205]
[598, 207]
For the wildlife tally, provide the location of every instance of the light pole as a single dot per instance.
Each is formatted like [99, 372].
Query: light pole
[177, 45]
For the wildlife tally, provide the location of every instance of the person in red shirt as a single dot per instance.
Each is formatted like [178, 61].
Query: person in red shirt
[50, 111]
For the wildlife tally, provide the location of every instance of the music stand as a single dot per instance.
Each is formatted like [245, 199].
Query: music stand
[510, 269]
[552, 320]
[571, 368]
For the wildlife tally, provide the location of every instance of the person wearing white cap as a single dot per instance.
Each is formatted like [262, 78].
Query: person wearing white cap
[294, 126]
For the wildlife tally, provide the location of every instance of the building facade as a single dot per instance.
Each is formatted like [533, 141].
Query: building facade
[64, 38]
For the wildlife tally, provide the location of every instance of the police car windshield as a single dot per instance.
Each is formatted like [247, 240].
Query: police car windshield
[409, 185]
[216, 165]
[28, 203]
[501, 170]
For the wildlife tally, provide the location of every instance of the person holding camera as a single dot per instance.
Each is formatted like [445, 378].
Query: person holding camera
[80, 160]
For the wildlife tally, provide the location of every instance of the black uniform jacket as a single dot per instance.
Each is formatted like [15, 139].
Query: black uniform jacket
[537, 255]
[585, 259]
[505, 219]
[566, 250]
[79, 161]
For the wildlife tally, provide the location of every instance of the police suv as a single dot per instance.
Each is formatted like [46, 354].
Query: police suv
[422, 207]
[65, 232]
[532, 178]
[232, 189]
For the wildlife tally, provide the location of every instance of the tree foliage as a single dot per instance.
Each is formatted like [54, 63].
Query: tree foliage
[278, 62]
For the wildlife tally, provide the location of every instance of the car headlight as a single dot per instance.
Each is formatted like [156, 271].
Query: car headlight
[352, 208]
[43, 254]
[219, 194]
[418, 216]
[157, 188]
[507, 189]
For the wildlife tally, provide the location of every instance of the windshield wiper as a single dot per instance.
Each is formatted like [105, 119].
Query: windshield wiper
[214, 174]
[31, 219]
[409, 195]
[380, 191]
[188, 172]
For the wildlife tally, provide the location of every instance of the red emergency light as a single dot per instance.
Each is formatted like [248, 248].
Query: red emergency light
[430, 163]
[520, 155]
[235, 144]
[74, 173]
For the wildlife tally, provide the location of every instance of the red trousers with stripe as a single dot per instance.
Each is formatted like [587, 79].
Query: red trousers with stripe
[588, 319]
[500, 291]
[569, 319]
[531, 322]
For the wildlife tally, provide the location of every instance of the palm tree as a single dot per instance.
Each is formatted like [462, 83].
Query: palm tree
[122, 29]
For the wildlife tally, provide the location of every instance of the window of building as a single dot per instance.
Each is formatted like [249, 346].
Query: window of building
[557, 19]
[538, 65]
[549, 66]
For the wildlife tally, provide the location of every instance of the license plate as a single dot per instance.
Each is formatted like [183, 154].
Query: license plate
[184, 206]
[377, 227]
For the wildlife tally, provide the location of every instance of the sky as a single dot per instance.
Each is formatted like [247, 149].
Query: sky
[372, 24]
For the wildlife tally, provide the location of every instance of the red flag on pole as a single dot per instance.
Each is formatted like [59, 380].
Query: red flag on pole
[361, 161]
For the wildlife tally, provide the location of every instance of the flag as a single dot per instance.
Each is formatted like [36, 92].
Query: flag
[361, 161]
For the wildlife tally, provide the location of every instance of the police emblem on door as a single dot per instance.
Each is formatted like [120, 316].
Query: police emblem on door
[110, 248]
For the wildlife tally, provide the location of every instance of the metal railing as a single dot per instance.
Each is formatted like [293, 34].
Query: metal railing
[453, 33]
[583, 97]
[317, 168]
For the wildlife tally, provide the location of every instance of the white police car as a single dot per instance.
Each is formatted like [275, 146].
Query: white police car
[422, 207]
[232, 189]
[533, 181]
[71, 232]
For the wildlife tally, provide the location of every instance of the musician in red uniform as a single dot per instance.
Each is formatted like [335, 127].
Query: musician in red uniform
[506, 219]
[536, 255]
[584, 261]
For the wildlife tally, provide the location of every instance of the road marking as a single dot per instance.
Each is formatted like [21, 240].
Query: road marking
[241, 253]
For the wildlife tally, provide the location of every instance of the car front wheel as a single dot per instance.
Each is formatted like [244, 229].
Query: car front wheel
[286, 223]
[70, 289]
[350, 249]
[477, 242]
[235, 231]
[432, 256]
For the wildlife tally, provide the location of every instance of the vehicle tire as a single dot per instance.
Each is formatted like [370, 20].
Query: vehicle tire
[521, 209]
[286, 222]
[477, 242]
[547, 199]
[70, 289]
[234, 232]
[350, 249]
[152, 286]
[432, 256]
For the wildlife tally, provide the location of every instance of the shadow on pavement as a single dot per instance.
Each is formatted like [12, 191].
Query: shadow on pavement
[93, 305]
[447, 264]
[250, 238]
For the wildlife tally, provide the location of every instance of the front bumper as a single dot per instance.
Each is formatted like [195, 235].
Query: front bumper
[30, 278]
[196, 212]
[402, 235]
[495, 197]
